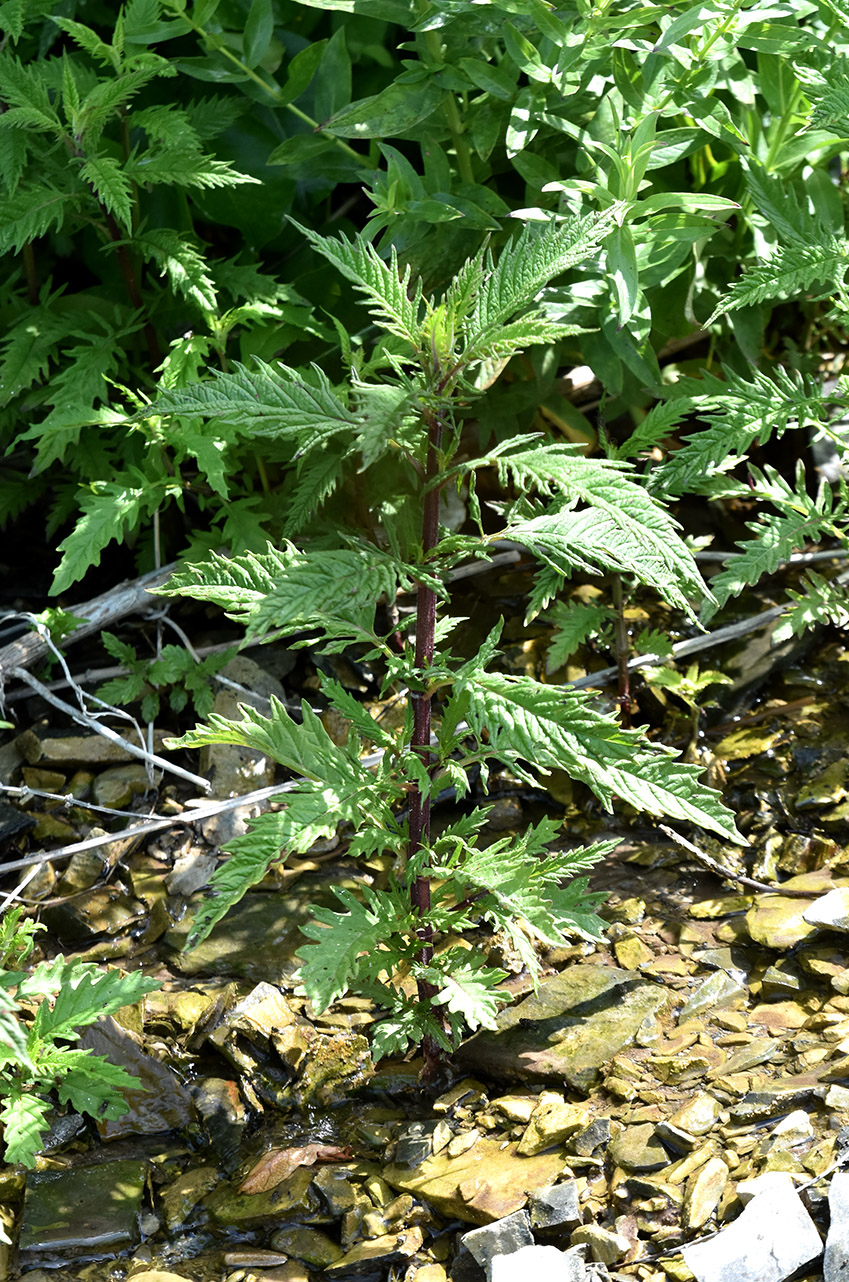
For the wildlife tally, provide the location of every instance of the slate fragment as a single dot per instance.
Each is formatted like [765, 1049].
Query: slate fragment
[83, 1212]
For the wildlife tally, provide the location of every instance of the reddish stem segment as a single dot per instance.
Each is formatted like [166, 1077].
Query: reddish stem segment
[419, 805]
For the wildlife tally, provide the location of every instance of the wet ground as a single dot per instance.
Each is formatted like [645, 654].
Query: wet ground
[626, 1108]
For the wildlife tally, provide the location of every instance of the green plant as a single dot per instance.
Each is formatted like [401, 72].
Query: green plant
[401, 416]
[42, 1012]
[188, 679]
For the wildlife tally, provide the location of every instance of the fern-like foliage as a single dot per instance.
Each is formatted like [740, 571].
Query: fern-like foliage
[739, 411]
[35, 1057]
[777, 536]
[819, 268]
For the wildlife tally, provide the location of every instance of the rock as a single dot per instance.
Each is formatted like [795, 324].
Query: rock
[592, 1138]
[703, 1191]
[263, 1012]
[542, 1263]
[487, 1183]
[159, 1103]
[233, 770]
[637, 1148]
[832, 910]
[63, 750]
[555, 1206]
[606, 1246]
[336, 1067]
[180, 1198]
[377, 1255]
[233, 1210]
[306, 1244]
[719, 989]
[501, 1238]
[117, 787]
[516, 1108]
[772, 1239]
[553, 1120]
[836, 1259]
[257, 940]
[826, 788]
[88, 1211]
[223, 1115]
[767, 1183]
[631, 952]
[778, 921]
[570, 1028]
[698, 1115]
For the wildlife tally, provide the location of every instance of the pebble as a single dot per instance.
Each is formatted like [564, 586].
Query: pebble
[553, 1120]
[703, 1191]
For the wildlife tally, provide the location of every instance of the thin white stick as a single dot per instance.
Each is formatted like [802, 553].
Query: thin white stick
[84, 719]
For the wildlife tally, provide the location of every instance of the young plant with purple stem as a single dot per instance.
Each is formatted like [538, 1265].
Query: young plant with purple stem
[386, 444]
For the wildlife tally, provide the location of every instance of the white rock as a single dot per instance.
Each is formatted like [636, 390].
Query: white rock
[772, 1238]
[830, 910]
[539, 1264]
[796, 1126]
[835, 1266]
[769, 1182]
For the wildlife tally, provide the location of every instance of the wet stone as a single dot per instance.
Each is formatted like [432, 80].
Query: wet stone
[415, 1144]
[570, 1029]
[778, 921]
[160, 1103]
[86, 1212]
[375, 1257]
[257, 940]
[637, 1148]
[223, 1114]
[257, 1016]
[310, 1245]
[556, 1206]
[179, 1199]
[772, 1239]
[231, 1209]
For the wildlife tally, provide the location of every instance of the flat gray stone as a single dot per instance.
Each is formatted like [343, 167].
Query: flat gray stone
[556, 1207]
[84, 1212]
[568, 1030]
[772, 1238]
[638, 1148]
[540, 1263]
[500, 1238]
[836, 1261]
